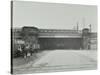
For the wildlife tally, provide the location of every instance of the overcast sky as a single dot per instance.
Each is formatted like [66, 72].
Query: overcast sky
[53, 15]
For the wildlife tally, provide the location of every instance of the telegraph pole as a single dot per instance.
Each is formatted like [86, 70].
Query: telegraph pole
[83, 23]
[77, 26]
[90, 28]
[90, 37]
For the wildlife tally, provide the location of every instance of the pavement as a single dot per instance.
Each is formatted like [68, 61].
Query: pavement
[20, 62]
[62, 60]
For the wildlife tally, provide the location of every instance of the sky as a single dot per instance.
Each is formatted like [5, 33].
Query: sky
[54, 15]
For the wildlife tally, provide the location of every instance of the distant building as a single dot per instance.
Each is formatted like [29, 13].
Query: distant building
[93, 41]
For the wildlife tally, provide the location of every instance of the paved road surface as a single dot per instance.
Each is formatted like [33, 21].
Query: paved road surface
[64, 60]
